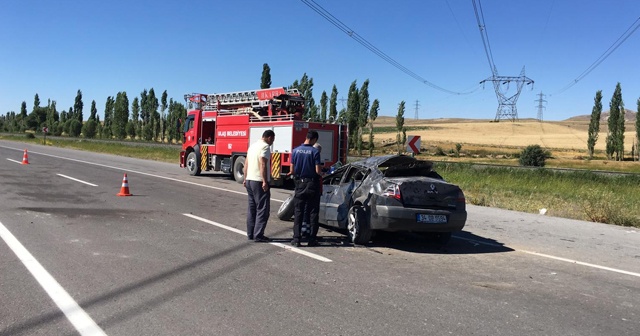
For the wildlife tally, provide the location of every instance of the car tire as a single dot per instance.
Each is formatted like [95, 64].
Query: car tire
[193, 164]
[238, 169]
[358, 227]
[285, 212]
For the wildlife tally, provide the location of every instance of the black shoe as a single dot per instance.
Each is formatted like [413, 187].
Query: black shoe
[295, 243]
[261, 239]
[312, 242]
[249, 237]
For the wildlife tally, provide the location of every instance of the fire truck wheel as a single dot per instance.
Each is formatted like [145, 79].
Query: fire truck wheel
[193, 165]
[238, 169]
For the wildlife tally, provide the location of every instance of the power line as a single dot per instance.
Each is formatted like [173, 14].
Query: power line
[612, 48]
[344, 28]
[417, 108]
[485, 36]
[506, 103]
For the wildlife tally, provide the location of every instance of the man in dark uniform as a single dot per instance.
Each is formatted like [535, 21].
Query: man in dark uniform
[306, 169]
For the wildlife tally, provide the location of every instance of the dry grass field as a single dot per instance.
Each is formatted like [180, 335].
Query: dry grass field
[567, 140]
[562, 135]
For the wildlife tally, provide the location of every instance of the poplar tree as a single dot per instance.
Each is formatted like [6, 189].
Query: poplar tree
[323, 106]
[615, 137]
[333, 104]
[363, 113]
[144, 105]
[78, 106]
[23, 109]
[120, 116]
[90, 128]
[108, 117]
[94, 110]
[163, 108]
[23, 115]
[36, 105]
[135, 115]
[373, 114]
[594, 124]
[401, 131]
[152, 100]
[353, 108]
[265, 82]
[51, 115]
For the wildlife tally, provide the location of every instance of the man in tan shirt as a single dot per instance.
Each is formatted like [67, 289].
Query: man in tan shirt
[257, 168]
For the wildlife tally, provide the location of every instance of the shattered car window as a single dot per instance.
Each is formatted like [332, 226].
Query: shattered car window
[415, 168]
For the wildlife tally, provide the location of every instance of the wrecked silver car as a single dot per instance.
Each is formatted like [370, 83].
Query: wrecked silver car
[389, 193]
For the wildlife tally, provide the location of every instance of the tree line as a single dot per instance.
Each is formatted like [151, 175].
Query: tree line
[145, 118]
[148, 118]
[614, 142]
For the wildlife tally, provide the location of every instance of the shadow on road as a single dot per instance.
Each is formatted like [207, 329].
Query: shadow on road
[461, 242]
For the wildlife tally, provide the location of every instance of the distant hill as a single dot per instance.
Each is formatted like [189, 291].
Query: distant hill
[629, 116]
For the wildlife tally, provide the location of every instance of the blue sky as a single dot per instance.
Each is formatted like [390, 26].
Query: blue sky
[54, 48]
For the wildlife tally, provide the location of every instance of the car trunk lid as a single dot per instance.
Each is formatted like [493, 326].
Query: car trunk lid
[426, 192]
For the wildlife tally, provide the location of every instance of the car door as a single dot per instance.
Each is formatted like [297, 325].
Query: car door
[340, 200]
[331, 184]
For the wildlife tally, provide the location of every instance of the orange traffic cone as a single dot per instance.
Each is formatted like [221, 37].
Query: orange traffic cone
[25, 157]
[124, 190]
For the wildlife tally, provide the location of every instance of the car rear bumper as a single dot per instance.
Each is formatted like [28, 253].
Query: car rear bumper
[393, 218]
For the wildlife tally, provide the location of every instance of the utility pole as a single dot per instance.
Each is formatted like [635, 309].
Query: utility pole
[540, 106]
[417, 108]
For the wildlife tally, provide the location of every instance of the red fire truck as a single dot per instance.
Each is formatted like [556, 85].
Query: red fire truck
[218, 132]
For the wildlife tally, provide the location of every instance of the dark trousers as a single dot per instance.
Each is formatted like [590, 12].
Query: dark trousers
[259, 208]
[306, 198]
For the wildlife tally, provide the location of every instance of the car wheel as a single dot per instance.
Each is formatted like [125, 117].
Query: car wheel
[285, 212]
[358, 226]
[193, 164]
[238, 169]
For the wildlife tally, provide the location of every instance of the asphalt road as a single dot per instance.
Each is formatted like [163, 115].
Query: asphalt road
[173, 260]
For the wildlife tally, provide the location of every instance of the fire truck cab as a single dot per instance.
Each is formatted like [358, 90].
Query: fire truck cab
[220, 128]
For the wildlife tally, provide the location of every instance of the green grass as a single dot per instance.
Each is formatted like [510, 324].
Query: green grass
[141, 150]
[581, 195]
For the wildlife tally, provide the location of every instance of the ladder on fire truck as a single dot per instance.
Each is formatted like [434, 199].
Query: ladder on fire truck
[251, 98]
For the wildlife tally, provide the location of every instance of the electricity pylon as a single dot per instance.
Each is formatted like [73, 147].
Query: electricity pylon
[540, 106]
[507, 103]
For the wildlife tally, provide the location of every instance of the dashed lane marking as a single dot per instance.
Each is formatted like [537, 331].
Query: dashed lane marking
[139, 172]
[286, 247]
[75, 179]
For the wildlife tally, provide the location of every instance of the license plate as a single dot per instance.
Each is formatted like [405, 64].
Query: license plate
[431, 219]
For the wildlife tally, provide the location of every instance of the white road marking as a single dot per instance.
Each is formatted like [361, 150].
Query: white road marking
[581, 263]
[75, 179]
[83, 323]
[286, 247]
[16, 161]
[577, 262]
